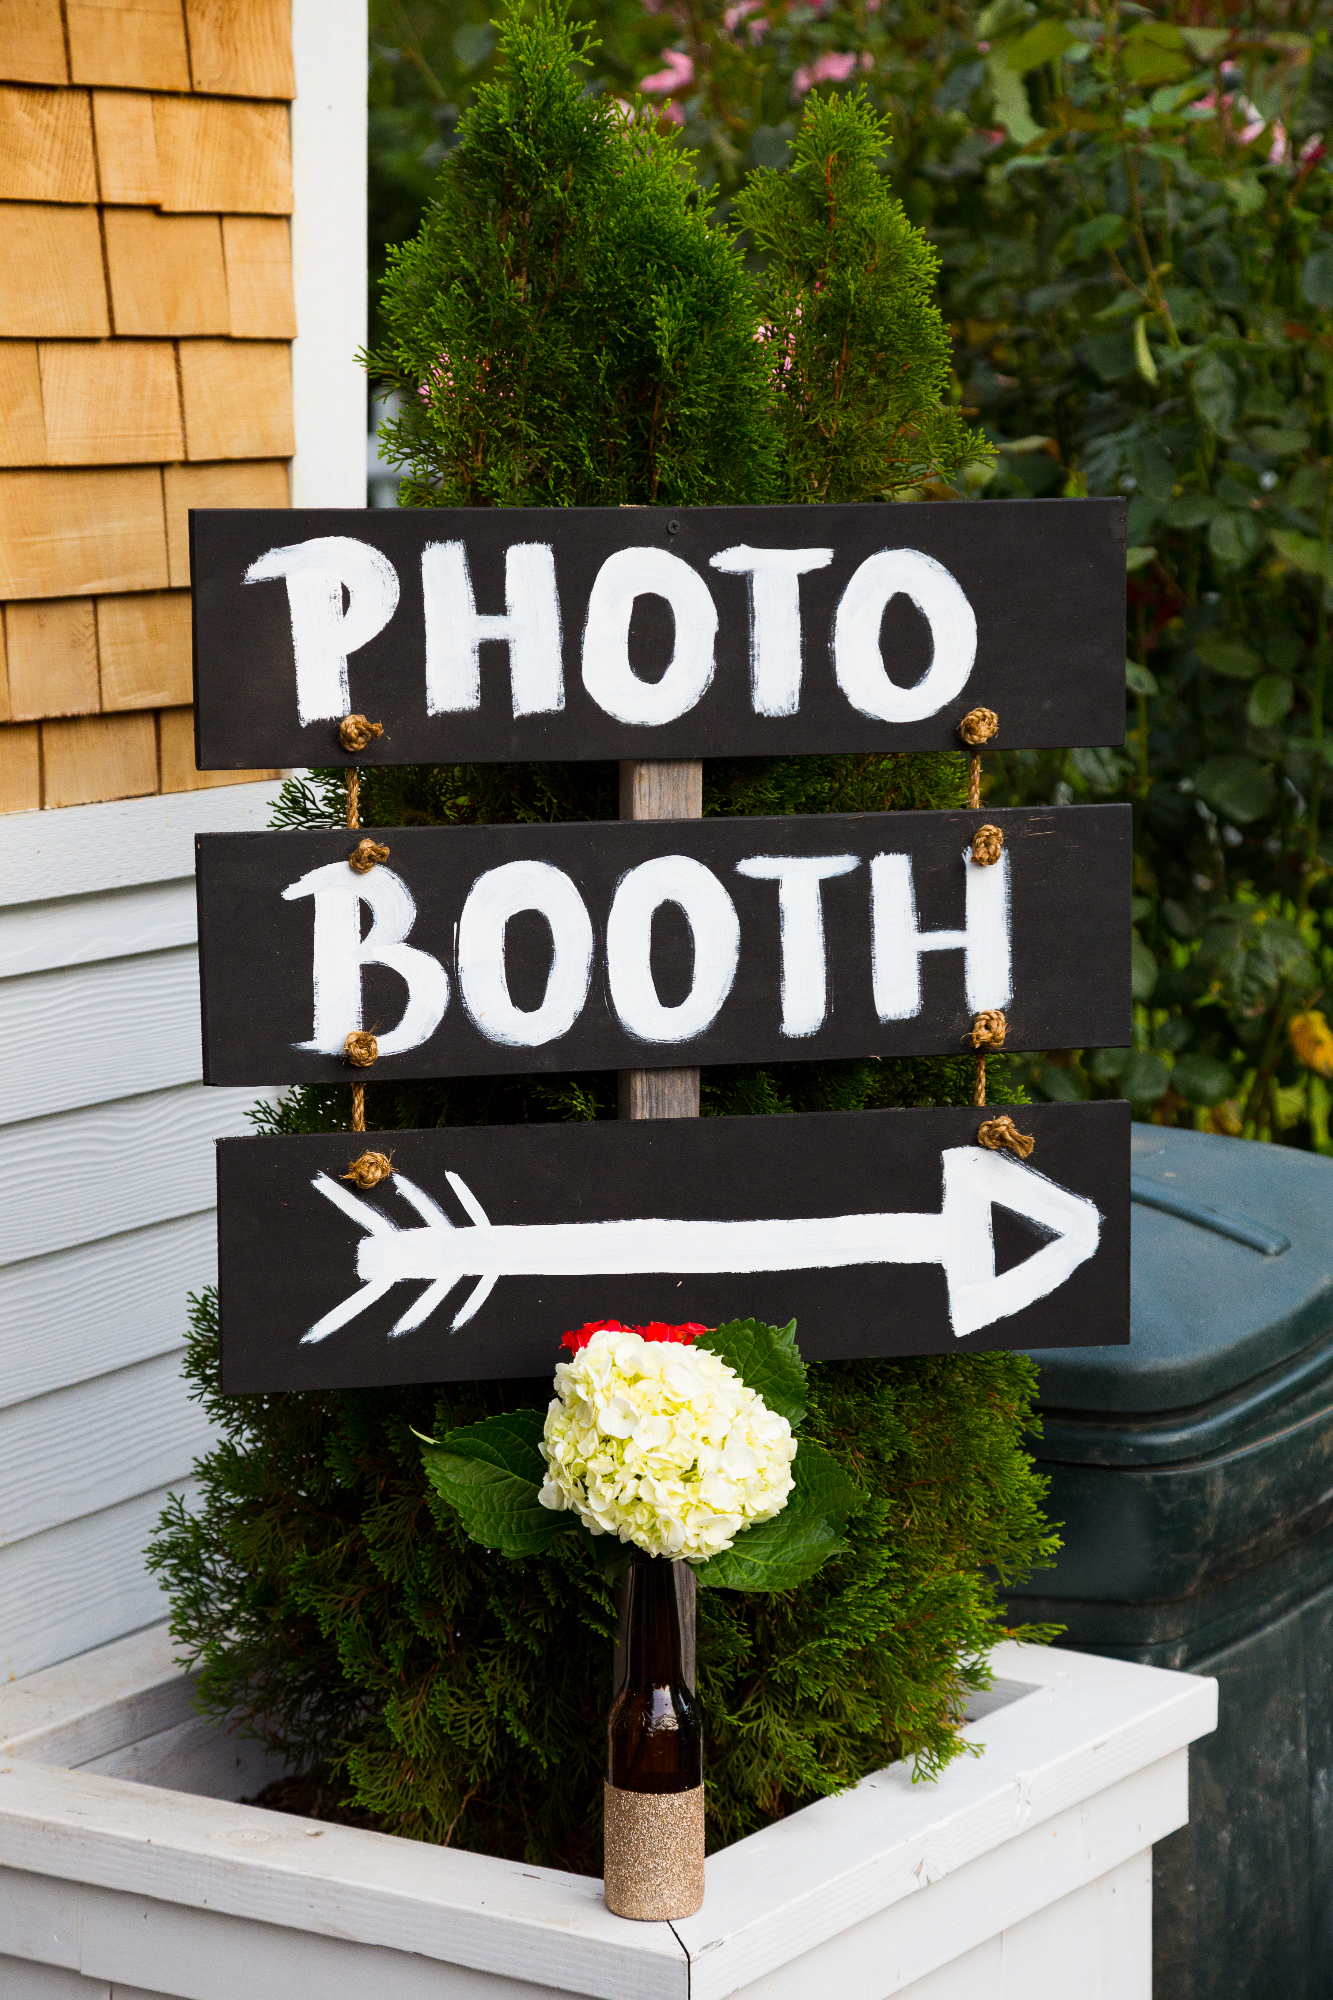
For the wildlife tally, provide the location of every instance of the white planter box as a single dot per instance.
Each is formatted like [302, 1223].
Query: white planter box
[125, 1873]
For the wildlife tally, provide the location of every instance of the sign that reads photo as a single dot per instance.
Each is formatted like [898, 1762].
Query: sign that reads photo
[880, 1232]
[503, 634]
[481, 950]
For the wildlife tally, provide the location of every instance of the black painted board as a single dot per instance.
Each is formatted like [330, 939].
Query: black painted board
[1019, 1256]
[618, 975]
[1042, 580]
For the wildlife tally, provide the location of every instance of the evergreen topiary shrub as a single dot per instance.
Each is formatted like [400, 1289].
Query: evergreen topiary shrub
[572, 326]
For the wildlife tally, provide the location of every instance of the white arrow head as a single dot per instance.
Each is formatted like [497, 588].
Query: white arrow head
[973, 1179]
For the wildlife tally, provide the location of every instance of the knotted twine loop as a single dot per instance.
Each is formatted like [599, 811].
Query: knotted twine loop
[369, 1170]
[988, 1032]
[977, 727]
[353, 821]
[1002, 1131]
[368, 852]
[361, 1049]
[987, 846]
[355, 732]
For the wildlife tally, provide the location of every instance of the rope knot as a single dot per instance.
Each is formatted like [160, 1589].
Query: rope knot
[978, 726]
[988, 1029]
[1002, 1131]
[367, 852]
[361, 1050]
[354, 732]
[369, 1170]
[987, 846]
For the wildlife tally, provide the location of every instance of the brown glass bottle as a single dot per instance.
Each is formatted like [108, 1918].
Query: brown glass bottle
[654, 1736]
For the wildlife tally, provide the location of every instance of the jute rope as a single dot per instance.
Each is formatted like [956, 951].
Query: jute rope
[1002, 1131]
[368, 853]
[977, 727]
[370, 1169]
[988, 1032]
[987, 846]
[360, 1050]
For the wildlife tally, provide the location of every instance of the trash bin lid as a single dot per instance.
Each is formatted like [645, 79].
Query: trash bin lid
[1231, 1274]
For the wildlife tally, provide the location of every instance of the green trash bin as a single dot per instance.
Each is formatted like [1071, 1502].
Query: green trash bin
[1193, 1475]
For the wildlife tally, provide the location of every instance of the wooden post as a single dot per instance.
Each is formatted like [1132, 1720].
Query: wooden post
[662, 789]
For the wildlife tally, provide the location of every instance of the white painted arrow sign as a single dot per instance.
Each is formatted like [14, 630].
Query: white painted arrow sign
[960, 1238]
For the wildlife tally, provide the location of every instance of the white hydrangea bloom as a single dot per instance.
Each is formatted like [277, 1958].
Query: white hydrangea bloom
[664, 1446]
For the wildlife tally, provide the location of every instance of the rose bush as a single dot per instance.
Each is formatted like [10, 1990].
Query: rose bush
[663, 1445]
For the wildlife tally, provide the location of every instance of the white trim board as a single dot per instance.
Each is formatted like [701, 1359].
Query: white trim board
[329, 128]
[79, 850]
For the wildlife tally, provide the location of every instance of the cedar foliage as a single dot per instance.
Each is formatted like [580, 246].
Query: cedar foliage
[328, 1595]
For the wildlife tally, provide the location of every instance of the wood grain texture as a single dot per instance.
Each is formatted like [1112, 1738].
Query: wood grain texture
[81, 533]
[143, 645]
[176, 753]
[27, 1980]
[96, 1173]
[95, 1444]
[54, 283]
[100, 1032]
[96, 1702]
[651, 789]
[225, 157]
[242, 48]
[123, 845]
[52, 647]
[138, 43]
[22, 428]
[195, 1756]
[20, 768]
[102, 1305]
[126, 146]
[166, 274]
[46, 146]
[79, 1585]
[6, 712]
[238, 398]
[259, 277]
[32, 42]
[112, 402]
[261, 483]
[84, 930]
[98, 757]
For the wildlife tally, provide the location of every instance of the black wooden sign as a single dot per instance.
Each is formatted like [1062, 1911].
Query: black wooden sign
[483, 950]
[499, 634]
[881, 1232]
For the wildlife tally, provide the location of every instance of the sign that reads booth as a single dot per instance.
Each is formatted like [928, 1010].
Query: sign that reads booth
[479, 950]
[504, 634]
[880, 1232]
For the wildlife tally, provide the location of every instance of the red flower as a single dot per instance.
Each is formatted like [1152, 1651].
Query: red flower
[656, 1329]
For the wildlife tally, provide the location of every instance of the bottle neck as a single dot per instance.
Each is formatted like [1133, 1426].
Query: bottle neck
[653, 1656]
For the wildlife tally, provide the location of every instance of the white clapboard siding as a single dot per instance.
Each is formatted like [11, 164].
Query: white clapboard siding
[81, 1450]
[66, 1590]
[81, 1313]
[89, 1174]
[107, 1191]
[107, 1031]
[83, 850]
[81, 930]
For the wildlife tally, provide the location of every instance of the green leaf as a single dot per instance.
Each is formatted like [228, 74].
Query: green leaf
[1144, 1077]
[1011, 101]
[1270, 700]
[1041, 44]
[1231, 657]
[1215, 394]
[1303, 552]
[1236, 786]
[1140, 680]
[1234, 537]
[787, 1550]
[473, 42]
[1152, 53]
[490, 1474]
[1143, 360]
[1205, 42]
[767, 1360]
[1139, 557]
[1317, 278]
[1142, 968]
[1104, 232]
[1201, 1079]
[1193, 510]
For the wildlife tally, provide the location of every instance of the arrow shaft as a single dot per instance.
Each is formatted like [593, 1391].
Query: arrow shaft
[653, 1243]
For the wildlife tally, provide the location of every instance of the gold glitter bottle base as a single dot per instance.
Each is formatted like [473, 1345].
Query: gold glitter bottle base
[654, 1853]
